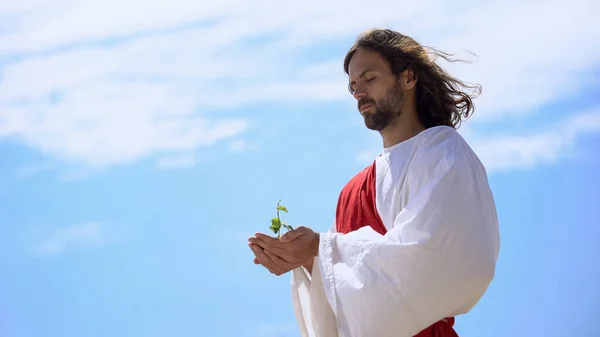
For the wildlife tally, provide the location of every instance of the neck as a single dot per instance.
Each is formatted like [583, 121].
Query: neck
[406, 126]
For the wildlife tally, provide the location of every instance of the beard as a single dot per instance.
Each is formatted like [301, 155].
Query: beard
[384, 112]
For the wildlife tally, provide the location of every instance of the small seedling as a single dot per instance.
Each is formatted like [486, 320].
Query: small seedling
[276, 223]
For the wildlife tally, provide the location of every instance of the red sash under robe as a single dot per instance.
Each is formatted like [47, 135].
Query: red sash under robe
[356, 208]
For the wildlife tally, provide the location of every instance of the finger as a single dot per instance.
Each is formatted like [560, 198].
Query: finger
[281, 264]
[261, 259]
[288, 252]
[293, 234]
[265, 260]
[269, 240]
[273, 249]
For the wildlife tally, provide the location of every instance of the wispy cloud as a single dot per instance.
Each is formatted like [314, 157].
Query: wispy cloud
[89, 84]
[83, 236]
[238, 146]
[29, 170]
[506, 152]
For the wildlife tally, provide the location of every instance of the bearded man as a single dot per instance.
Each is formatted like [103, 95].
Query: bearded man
[415, 238]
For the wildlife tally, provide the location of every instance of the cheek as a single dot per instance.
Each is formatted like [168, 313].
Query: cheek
[380, 89]
[376, 93]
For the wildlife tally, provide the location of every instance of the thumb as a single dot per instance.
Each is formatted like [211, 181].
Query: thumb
[293, 234]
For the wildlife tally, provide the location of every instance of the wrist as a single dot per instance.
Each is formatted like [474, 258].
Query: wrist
[308, 266]
[315, 245]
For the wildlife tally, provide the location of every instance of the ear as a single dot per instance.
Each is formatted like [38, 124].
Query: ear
[409, 77]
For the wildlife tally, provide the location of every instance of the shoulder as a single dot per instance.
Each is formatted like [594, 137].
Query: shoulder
[442, 148]
[439, 139]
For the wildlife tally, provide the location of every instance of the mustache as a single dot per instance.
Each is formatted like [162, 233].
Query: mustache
[364, 101]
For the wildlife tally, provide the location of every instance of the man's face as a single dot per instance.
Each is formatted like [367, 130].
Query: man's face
[375, 88]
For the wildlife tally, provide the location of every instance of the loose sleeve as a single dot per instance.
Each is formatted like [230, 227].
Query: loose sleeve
[313, 313]
[436, 261]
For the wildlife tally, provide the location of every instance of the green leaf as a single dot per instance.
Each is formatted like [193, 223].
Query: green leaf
[282, 208]
[276, 223]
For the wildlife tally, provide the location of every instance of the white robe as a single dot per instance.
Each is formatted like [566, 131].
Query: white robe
[436, 260]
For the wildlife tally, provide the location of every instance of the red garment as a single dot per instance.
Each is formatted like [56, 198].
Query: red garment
[357, 208]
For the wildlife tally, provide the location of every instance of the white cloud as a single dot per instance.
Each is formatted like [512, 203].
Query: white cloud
[103, 124]
[84, 236]
[91, 84]
[509, 152]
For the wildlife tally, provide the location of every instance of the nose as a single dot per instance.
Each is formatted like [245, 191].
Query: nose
[359, 93]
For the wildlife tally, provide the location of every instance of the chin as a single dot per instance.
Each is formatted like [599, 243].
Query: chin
[373, 125]
[377, 122]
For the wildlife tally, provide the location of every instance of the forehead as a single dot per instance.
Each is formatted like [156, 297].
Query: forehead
[366, 60]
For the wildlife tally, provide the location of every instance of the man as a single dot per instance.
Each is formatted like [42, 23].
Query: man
[415, 240]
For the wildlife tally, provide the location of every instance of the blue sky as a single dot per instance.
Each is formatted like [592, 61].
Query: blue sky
[141, 146]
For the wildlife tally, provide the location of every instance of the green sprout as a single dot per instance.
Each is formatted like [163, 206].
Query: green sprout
[276, 223]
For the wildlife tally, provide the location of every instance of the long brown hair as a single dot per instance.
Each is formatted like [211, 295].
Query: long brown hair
[441, 98]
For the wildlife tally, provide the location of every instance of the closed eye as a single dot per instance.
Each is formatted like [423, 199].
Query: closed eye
[352, 85]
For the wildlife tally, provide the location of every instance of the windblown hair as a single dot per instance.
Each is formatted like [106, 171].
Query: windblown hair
[441, 99]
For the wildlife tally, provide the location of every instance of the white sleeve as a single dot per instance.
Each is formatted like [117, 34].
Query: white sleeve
[313, 313]
[436, 261]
